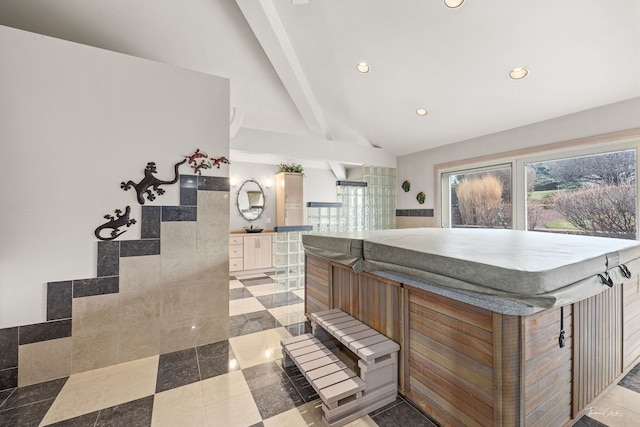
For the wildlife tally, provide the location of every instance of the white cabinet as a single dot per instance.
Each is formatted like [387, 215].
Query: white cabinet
[257, 252]
[250, 252]
[289, 199]
[236, 253]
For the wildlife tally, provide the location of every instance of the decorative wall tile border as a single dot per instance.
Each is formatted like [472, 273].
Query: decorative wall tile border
[96, 286]
[108, 256]
[139, 247]
[287, 228]
[213, 183]
[46, 331]
[188, 190]
[414, 212]
[8, 348]
[352, 183]
[179, 213]
[324, 204]
[60, 294]
[59, 300]
[150, 227]
[8, 358]
[9, 377]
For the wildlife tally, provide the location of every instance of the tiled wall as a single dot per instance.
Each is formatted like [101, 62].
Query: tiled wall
[413, 218]
[165, 292]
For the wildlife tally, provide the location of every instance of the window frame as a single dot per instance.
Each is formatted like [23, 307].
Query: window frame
[445, 190]
[517, 160]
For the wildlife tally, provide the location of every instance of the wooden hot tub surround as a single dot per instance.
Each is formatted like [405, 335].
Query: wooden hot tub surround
[469, 366]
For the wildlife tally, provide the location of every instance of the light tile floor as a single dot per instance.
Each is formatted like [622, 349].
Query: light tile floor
[239, 382]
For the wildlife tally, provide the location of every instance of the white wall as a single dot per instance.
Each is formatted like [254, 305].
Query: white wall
[418, 168]
[75, 122]
[319, 186]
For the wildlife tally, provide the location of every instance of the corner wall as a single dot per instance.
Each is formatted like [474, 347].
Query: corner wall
[78, 121]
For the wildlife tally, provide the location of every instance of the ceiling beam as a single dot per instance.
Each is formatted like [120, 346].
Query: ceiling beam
[263, 18]
[286, 147]
[338, 170]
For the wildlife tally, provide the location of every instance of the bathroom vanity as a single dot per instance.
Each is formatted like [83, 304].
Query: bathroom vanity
[495, 327]
[250, 251]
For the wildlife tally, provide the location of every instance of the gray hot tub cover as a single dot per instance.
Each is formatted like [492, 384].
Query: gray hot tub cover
[540, 269]
[346, 248]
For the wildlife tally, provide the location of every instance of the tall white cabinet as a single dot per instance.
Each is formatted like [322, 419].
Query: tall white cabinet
[289, 199]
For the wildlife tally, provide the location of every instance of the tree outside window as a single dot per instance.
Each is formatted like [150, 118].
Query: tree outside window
[593, 195]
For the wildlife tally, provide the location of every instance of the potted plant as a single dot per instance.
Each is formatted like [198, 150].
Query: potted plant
[290, 167]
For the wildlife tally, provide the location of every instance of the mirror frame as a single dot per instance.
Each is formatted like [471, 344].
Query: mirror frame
[264, 199]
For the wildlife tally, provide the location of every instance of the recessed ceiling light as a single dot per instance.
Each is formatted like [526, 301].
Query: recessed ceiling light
[421, 111]
[453, 3]
[518, 73]
[363, 67]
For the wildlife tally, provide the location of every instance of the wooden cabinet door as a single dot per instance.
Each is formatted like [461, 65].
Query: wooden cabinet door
[257, 252]
[294, 215]
[289, 199]
[293, 186]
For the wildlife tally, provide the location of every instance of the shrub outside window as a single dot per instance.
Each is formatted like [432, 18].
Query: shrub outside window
[593, 195]
[481, 199]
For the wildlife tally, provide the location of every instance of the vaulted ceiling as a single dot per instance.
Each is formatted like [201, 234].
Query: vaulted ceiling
[292, 63]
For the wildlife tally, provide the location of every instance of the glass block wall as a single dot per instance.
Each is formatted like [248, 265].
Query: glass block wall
[379, 197]
[288, 258]
[352, 195]
[369, 204]
[324, 217]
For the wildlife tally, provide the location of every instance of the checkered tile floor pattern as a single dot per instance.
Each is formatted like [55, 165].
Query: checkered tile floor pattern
[238, 382]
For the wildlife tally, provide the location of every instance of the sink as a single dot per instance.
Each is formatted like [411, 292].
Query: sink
[253, 230]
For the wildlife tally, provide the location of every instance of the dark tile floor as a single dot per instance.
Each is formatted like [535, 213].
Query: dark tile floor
[632, 380]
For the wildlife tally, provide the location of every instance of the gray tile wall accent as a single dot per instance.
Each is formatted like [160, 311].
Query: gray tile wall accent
[179, 213]
[8, 348]
[414, 212]
[352, 183]
[324, 204]
[96, 286]
[188, 190]
[139, 247]
[213, 183]
[38, 332]
[8, 378]
[151, 222]
[287, 228]
[108, 257]
[59, 299]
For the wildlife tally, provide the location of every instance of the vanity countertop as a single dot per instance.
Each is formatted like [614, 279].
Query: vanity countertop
[241, 231]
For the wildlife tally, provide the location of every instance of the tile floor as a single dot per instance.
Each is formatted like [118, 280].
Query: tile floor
[239, 382]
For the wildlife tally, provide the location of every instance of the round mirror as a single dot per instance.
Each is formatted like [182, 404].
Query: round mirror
[250, 200]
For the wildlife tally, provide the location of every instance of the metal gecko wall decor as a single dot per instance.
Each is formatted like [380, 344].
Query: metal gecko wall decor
[193, 161]
[149, 180]
[114, 223]
[220, 160]
[204, 164]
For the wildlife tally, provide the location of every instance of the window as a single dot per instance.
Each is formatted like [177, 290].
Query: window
[593, 195]
[480, 198]
[588, 190]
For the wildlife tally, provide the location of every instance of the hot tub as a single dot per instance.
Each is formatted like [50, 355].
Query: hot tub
[496, 327]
